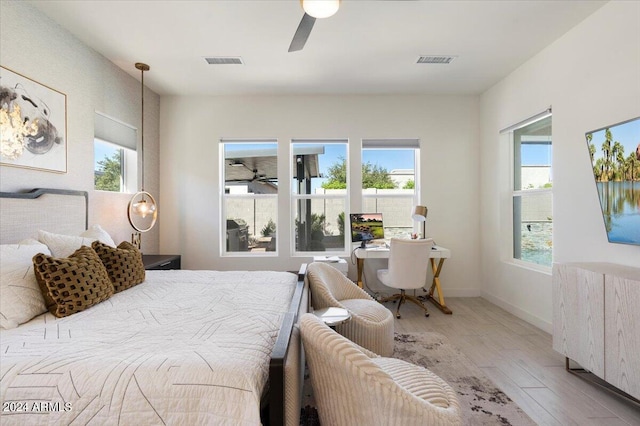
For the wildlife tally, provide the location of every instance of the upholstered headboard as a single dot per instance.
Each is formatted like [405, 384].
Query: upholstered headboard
[61, 211]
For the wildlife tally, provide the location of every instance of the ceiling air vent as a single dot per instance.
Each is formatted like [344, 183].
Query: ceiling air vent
[435, 59]
[224, 60]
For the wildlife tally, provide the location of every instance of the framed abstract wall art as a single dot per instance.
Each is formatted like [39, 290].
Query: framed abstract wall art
[33, 124]
[615, 158]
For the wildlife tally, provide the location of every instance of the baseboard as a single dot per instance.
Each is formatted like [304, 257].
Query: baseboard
[461, 292]
[524, 315]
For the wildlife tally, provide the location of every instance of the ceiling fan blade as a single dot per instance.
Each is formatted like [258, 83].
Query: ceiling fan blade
[302, 33]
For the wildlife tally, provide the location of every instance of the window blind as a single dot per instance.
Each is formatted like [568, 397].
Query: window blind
[116, 132]
[390, 143]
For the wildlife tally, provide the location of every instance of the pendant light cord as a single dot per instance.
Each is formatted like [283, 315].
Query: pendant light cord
[142, 67]
[142, 124]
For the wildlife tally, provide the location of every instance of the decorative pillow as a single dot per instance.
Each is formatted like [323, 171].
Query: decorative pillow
[72, 284]
[95, 232]
[20, 297]
[124, 264]
[64, 245]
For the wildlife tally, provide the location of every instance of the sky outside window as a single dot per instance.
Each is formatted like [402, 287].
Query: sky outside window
[536, 154]
[103, 150]
[390, 159]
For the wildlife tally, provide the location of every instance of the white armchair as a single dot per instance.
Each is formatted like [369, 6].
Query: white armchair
[371, 324]
[353, 386]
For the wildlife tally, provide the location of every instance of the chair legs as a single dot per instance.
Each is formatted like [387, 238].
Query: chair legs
[417, 301]
[390, 298]
[404, 297]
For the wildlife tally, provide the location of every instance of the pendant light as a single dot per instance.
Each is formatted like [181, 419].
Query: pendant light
[142, 210]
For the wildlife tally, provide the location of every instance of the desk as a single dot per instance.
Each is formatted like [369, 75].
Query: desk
[438, 255]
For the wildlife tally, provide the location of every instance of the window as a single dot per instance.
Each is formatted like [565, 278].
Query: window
[389, 176]
[532, 192]
[249, 196]
[319, 200]
[115, 157]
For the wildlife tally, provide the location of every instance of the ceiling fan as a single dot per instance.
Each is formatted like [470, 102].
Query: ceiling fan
[257, 177]
[260, 177]
[313, 9]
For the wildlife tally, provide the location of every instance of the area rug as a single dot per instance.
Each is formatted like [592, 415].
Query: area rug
[481, 401]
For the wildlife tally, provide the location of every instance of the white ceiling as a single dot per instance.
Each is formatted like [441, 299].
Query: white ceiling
[368, 47]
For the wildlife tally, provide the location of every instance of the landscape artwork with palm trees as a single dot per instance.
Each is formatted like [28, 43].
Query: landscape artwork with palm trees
[615, 157]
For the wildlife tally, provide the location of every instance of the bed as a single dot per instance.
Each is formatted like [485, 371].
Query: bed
[183, 347]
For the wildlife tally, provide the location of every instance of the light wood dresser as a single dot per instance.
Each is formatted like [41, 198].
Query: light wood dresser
[596, 320]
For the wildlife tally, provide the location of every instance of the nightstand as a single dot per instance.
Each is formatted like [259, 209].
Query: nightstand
[161, 261]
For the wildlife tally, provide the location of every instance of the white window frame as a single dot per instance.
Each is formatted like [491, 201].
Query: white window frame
[395, 145]
[295, 197]
[509, 246]
[249, 196]
[121, 136]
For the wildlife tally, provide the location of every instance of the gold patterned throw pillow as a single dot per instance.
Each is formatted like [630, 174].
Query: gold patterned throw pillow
[72, 284]
[124, 264]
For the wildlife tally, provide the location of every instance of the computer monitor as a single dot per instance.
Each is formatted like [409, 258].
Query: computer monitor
[366, 227]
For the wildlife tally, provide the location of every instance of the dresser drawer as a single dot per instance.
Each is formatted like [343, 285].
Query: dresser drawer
[161, 261]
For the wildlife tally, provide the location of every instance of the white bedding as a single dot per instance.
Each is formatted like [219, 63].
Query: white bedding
[184, 347]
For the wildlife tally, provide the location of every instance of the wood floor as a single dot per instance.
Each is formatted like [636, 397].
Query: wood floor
[519, 359]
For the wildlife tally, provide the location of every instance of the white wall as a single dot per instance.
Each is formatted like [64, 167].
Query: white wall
[35, 46]
[591, 78]
[191, 128]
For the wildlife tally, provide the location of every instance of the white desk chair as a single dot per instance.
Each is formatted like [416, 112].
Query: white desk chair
[408, 264]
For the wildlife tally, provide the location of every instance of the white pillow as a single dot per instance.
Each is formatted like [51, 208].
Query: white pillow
[20, 296]
[30, 241]
[97, 233]
[65, 245]
[62, 245]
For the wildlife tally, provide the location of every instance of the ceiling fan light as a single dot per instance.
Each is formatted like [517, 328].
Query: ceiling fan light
[320, 8]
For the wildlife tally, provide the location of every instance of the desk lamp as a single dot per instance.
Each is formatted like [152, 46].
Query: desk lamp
[420, 214]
